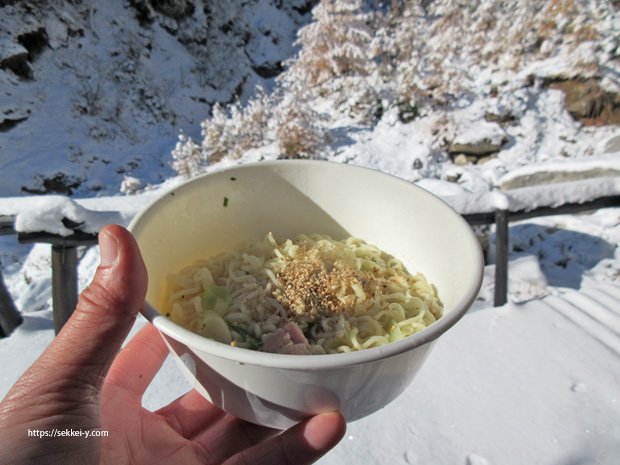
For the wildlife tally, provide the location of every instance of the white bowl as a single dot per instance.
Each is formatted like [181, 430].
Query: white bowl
[218, 211]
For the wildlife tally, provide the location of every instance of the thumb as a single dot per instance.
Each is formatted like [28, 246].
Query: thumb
[61, 388]
[105, 313]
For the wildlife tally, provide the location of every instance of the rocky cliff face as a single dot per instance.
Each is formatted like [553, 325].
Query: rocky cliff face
[90, 90]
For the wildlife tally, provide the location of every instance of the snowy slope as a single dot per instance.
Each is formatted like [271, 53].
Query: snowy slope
[108, 91]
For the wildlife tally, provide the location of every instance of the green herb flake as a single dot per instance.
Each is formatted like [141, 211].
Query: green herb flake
[253, 342]
[232, 178]
[225, 202]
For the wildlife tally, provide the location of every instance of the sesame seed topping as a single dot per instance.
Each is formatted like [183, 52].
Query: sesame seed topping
[315, 284]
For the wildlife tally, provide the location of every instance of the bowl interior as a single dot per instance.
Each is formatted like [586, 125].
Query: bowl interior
[217, 212]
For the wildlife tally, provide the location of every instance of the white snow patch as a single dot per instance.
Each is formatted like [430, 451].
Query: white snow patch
[480, 131]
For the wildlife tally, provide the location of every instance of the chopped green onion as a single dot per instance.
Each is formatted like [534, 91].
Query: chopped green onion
[216, 298]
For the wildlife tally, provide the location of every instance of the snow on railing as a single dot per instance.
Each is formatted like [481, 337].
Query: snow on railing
[66, 224]
[532, 198]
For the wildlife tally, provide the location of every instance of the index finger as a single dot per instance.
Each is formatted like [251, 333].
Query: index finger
[137, 363]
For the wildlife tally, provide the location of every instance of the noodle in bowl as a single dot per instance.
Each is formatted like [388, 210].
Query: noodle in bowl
[263, 205]
[311, 296]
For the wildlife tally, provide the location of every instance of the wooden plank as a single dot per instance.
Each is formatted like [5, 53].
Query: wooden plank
[477, 219]
[501, 257]
[76, 239]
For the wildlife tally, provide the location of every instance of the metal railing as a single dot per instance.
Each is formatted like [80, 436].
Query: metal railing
[502, 218]
[64, 272]
[65, 261]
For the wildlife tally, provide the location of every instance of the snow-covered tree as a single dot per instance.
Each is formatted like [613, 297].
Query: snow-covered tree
[229, 132]
[298, 129]
[431, 51]
[335, 44]
[187, 157]
[232, 132]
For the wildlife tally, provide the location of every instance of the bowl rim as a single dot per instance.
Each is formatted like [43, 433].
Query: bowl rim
[242, 356]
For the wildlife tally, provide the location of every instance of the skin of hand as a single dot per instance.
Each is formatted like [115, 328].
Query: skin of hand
[84, 381]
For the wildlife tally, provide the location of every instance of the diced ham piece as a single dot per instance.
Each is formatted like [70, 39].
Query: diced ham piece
[287, 340]
[296, 334]
[273, 342]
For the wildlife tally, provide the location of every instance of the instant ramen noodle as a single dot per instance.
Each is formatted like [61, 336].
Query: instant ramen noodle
[311, 295]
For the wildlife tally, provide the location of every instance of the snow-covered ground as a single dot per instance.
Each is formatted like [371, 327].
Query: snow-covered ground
[535, 381]
[511, 385]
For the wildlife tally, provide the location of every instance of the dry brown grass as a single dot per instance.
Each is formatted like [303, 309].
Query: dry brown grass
[561, 8]
[585, 32]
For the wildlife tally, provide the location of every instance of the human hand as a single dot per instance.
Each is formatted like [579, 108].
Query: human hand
[82, 382]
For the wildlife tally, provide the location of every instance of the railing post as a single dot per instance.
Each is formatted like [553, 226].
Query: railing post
[10, 318]
[501, 258]
[64, 283]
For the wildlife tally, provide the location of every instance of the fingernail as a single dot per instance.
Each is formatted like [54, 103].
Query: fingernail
[324, 431]
[108, 249]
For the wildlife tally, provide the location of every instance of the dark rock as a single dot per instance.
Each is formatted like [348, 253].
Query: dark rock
[14, 57]
[176, 9]
[268, 70]
[304, 8]
[588, 102]
[60, 183]
[480, 140]
[147, 10]
[144, 11]
[11, 116]
[22, 39]
[34, 40]
[502, 119]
